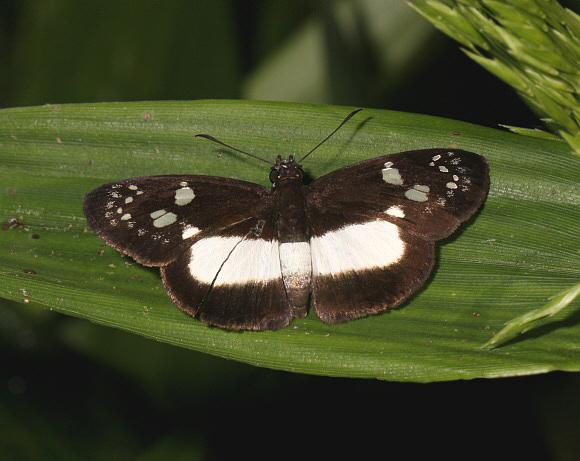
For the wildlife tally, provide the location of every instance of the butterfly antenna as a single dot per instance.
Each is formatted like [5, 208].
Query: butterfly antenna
[348, 117]
[211, 138]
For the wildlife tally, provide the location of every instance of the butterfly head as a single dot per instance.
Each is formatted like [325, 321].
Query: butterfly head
[284, 170]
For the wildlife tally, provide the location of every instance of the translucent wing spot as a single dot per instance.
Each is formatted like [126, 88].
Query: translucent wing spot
[184, 196]
[126, 217]
[443, 169]
[391, 175]
[451, 185]
[158, 213]
[133, 187]
[162, 218]
[418, 193]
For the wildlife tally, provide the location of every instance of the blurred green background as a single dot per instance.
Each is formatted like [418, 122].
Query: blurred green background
[73, 390]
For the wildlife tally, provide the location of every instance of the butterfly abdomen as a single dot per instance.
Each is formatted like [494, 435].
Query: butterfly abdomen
[292, 234]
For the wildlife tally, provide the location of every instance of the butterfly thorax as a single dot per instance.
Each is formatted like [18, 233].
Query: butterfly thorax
[284, 170]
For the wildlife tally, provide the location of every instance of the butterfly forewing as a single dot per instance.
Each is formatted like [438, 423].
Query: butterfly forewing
[429, 192]
[154, 219]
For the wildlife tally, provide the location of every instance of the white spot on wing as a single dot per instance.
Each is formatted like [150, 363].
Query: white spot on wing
[189, 231]
[451, 185]
[128, 199]
[126, 217]
[241, 261]
[443, 169]
[356, 247]
[395, 211]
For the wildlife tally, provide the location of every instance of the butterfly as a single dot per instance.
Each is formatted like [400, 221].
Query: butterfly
[240, 256]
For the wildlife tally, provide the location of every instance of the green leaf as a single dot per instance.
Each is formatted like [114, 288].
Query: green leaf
[534, 132]
[534, 318]
[518, 252]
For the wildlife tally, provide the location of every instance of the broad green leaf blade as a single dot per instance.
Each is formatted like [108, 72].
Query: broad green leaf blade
[518, 252]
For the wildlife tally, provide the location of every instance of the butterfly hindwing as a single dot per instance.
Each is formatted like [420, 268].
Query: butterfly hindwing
[233, 280]
[373, 225]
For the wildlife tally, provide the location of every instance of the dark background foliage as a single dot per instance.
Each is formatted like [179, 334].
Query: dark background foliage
[73, 390]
